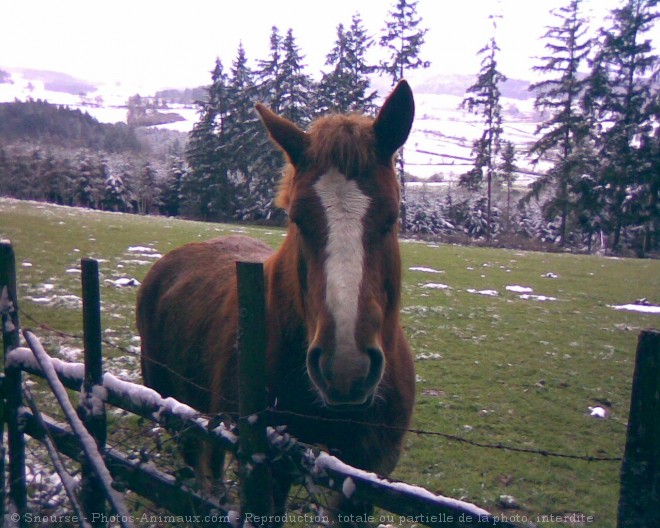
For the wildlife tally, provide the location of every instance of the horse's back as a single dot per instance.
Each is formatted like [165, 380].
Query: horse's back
[187, 319]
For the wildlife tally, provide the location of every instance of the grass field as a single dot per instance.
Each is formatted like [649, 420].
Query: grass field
[494, 368]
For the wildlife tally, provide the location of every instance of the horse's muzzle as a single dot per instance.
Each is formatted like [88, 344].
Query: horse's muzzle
[346, 381]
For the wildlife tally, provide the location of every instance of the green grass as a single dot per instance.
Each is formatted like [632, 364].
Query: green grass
[491, 369]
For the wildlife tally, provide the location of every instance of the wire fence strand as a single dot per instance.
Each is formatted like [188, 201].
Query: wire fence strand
[419, 432]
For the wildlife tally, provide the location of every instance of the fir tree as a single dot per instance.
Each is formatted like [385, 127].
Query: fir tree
[147, 192]
[288, 90]
[508, 171]
[90, 181]
[346, 87]
[483, 98]
[171, 193]
[403, 39]
[268, 76]
[267, 162]
[117, 195]
[238, 146]
[559, 93]
[296, 86]
[207, 167]
[622, 99]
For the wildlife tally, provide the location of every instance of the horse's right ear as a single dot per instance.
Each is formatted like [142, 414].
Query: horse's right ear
[291, 139]
[394, 121]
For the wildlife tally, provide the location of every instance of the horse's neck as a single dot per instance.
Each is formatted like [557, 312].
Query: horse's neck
[283, 282]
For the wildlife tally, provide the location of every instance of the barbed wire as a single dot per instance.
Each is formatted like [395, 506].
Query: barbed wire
[275, 410]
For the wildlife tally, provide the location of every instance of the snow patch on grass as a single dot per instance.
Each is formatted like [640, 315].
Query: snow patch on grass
[425, 270]
[435, 286]
[519, 289]
[540, 298]
[487, 293]
[643, 308]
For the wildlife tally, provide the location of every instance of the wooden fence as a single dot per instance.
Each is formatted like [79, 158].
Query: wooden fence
[107, 471]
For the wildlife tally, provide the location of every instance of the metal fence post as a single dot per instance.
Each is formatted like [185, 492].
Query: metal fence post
[253, 399]
[640, 471]
[12, 394]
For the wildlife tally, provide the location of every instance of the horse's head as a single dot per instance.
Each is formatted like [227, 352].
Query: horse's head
[342, 196]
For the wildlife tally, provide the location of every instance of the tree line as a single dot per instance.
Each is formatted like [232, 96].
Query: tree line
[233, 168]
[600, 135]
[64, 156]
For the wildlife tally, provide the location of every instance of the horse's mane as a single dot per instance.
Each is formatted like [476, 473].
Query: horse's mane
[342, 141]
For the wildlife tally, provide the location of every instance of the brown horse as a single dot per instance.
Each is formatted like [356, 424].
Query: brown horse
[340, 370]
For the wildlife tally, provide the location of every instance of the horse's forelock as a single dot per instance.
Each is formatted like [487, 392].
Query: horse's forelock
[343, 141]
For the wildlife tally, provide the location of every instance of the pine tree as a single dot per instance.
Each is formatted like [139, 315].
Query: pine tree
[288, 90]
[346, 87]
[297, 87]
[243, 146]
[172, 186]
[147, 191]
[622, 98]
[267, 162]
[560, 93]
[508, 171]
[403, 39]
[268, 76]
[207, 168]
[483, 98]
[116, 196]
[90, 181]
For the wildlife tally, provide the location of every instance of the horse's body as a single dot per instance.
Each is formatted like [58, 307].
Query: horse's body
[339, 368]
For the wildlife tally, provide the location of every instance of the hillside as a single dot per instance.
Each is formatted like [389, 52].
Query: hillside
[39, 121]
[439, 146]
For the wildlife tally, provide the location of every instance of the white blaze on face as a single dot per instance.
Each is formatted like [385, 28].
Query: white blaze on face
[345, 206]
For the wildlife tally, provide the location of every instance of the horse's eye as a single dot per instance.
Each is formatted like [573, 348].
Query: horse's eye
[302, 227]
[389, 224]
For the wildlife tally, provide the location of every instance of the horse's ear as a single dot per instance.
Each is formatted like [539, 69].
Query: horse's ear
[291, 139]
[394, 121]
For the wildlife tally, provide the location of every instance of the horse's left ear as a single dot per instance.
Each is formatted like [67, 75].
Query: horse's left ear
[394, 121]
[291, 139]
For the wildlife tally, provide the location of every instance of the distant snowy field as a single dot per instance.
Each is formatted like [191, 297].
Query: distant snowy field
[440, 141]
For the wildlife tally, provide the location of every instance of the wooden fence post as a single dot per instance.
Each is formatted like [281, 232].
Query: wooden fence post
[12, 393]
[92, 409]
[640, 471]
[253, 397]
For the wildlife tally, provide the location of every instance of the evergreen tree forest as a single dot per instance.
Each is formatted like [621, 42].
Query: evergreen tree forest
[63, 156]
[599, 136]
[600, 133]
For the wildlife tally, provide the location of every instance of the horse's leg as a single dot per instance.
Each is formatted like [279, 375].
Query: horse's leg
[209, 471]
[207, 464]
[281, 487]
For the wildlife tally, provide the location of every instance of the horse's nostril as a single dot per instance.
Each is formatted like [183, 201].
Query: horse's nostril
[376, 364]
[314, 368]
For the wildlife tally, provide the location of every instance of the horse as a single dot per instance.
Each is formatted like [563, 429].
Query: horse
[340, 371]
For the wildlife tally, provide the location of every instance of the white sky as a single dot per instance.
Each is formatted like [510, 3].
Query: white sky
[157, 44]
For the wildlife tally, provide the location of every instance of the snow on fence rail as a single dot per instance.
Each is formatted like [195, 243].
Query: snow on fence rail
[636, 506]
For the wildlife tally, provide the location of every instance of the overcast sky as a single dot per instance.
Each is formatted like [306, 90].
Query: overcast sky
[156, 44]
